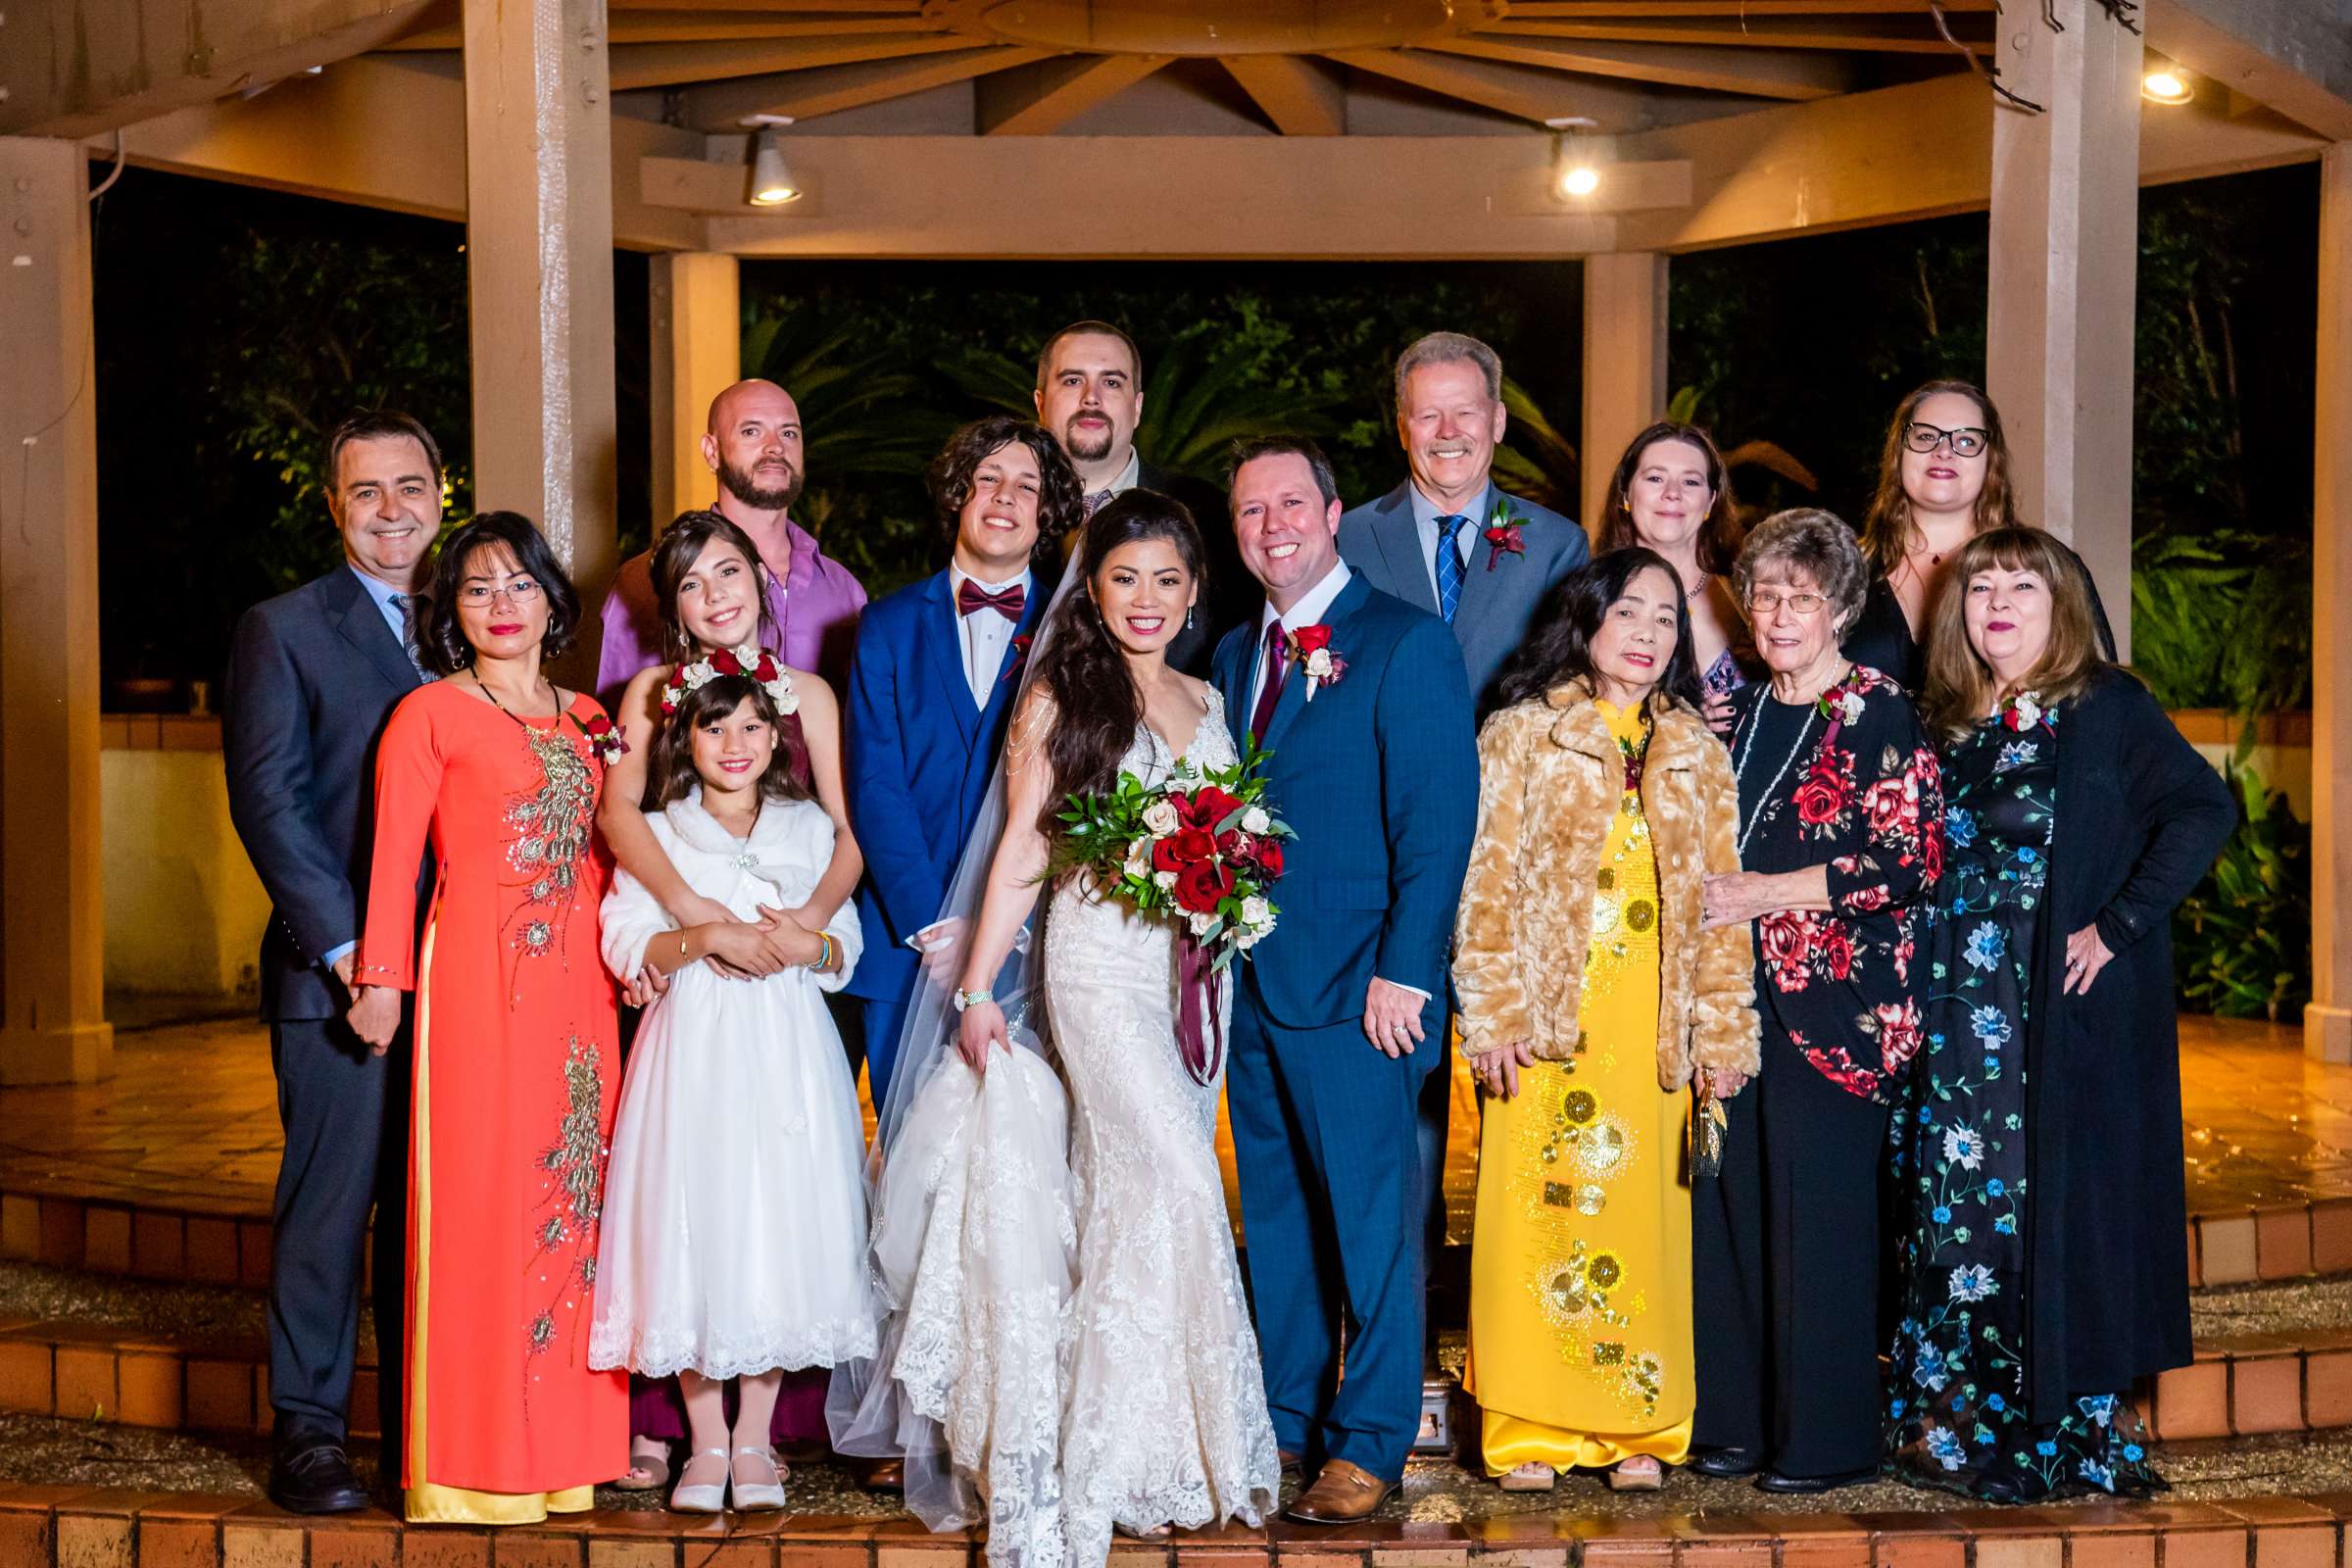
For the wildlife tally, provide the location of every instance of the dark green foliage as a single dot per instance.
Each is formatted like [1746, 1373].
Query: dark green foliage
[2242, 942]
[2223, 619]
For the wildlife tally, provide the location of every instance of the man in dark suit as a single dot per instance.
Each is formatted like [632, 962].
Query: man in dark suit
[1341, 1019]
[931, 687]
[1089, 394]
[313, 674]
[1427, 542]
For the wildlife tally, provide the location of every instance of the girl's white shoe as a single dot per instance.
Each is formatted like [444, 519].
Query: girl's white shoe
[686, 1499]
[759, 1494]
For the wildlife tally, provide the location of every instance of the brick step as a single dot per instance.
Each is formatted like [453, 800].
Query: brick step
[67, 1527]
[2241, 1384]
[2226, 1247]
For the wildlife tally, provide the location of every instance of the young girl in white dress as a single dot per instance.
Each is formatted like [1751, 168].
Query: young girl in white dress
[734, 1222]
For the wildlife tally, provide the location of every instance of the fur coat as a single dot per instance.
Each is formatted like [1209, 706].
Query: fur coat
[1550, 779]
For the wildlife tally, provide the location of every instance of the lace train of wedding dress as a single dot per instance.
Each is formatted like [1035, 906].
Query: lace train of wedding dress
[1165, 1415]
[1069, 1339]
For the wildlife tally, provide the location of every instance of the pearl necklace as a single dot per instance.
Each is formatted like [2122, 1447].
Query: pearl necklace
[1755, 722]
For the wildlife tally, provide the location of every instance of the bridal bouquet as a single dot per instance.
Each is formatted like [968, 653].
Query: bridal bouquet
[1199, 849]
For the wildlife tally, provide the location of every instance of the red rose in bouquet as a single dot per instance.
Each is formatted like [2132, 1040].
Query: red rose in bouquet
[1264, 854]
[1181, 848]
[1199, 885]
[1204, 807]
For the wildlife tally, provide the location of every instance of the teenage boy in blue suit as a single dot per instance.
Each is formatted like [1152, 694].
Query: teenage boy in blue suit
[1340, 1017]
[931, 687]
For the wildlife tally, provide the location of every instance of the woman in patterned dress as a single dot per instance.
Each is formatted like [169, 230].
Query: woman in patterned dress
[1591, 1003]
[1672, 494]
[1840, 831]
[517, 1066]
[2044, 1270]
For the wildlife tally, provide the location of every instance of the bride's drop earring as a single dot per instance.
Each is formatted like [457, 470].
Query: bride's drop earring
[1188, 617]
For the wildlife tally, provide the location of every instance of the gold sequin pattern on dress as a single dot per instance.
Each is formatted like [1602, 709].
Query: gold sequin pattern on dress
[573, 1189]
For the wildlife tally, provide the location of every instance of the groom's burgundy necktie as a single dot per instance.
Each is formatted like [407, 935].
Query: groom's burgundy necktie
[1271, 692]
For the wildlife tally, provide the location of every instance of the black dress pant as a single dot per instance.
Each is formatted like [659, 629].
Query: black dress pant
[345, 1113]
[1786, 1255]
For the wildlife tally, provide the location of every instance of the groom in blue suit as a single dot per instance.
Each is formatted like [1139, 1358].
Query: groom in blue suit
[931, 688]
[1339, 1017]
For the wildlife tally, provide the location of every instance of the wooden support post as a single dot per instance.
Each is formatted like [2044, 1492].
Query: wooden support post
[1624, 365]
[2065, 246]
[2327, 1021]
[698, 354]
[539, 254]
[52, 914]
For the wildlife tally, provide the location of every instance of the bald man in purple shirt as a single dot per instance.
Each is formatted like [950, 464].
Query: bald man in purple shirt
[754, 446]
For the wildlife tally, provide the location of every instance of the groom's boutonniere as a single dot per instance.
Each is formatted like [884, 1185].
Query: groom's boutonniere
[1310, 646]
[1502, 534]
[1020, 659]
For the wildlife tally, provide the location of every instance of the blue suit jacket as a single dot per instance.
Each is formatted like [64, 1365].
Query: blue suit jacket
[1379, 777]
[1498, 603]
[312, 676]
[919, 755]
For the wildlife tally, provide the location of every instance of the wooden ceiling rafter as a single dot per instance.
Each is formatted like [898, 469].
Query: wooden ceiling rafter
[1302, 97]
[672, 65]
[1787, 74]
[1657, 9]
[805, 94]
[1059, 93]
[1857, 34]
[1523, 93]
[698, 26]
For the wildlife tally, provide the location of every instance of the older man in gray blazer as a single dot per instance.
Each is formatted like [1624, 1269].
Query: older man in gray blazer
[1448, 540]
[1451, 542]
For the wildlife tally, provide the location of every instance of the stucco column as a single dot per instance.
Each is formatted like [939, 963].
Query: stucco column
[2328, 1021]
[53, 1026]
[1625, 363]
[698, 352]
[539, 273]
[2064, 249]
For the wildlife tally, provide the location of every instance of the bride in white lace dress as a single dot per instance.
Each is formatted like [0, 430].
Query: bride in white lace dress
[1070, 1348]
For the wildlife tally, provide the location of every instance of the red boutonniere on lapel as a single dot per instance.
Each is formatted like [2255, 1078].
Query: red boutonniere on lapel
[1310, 647]
[1020, 656]
[1503, 534]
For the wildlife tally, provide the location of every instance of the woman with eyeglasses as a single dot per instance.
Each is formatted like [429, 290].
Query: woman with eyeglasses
[516, 1066]
[1841, 834]
[1943, 479]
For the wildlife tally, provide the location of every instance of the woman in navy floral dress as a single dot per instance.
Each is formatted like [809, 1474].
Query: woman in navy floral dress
[2012, 672]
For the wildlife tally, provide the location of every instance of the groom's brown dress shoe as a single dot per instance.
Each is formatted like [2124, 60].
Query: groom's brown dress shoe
[1343, 1495]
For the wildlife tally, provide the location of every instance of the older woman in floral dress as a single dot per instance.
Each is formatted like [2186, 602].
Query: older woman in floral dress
[1840, 832]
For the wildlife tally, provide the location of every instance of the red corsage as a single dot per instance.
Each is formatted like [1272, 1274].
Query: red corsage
[1020, 656]
[1502, 539]
[605, 741]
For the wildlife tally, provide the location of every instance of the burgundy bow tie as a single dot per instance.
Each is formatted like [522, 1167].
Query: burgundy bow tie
[972, 598]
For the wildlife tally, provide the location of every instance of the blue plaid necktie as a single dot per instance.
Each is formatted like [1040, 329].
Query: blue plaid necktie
[1449, 565]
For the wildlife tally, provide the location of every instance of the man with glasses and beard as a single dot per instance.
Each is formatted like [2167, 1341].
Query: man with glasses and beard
[1089, 394]
[753, 445]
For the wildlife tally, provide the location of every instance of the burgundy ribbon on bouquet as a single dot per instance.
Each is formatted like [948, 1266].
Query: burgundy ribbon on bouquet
[1199, 1041]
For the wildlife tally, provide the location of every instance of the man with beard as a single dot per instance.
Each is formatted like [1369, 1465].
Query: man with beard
[1089, 393]
[753, 445]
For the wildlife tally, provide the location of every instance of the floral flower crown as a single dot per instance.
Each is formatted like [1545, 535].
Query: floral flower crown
[767, 670]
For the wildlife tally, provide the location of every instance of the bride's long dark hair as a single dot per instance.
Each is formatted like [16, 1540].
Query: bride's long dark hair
[1097, 707]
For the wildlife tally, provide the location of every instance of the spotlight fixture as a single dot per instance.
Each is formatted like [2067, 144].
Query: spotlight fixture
[1574, 173]
[772, 184]
[2167, 87]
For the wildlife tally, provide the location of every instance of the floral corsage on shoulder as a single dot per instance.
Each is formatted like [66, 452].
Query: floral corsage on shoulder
[2020, 711]
[1199, 849]
[604, 739]
[766, 669]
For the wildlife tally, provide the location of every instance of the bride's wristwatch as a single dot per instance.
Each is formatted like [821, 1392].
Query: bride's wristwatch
[972, 998]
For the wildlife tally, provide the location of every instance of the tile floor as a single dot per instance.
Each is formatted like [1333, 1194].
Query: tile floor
[189, 1123]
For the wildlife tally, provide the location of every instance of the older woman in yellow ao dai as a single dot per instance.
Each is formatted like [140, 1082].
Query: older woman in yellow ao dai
[1590, 1001]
